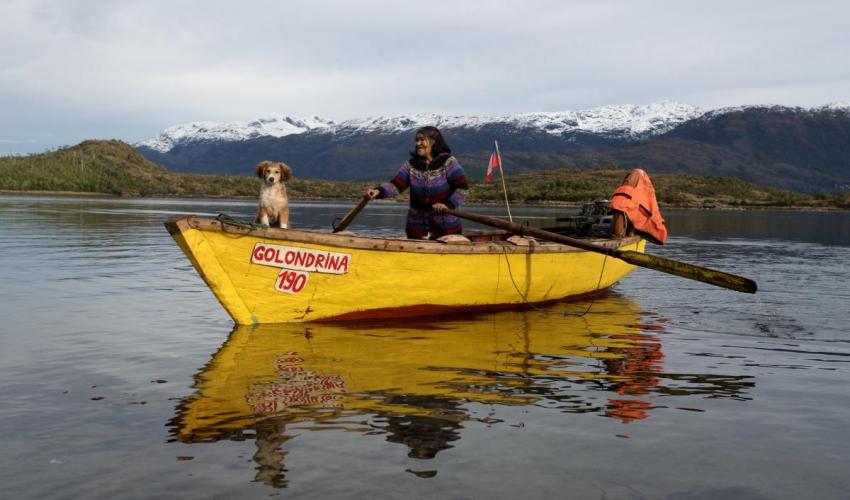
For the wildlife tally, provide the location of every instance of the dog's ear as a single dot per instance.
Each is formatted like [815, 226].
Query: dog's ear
[261, 167]
[286, 171]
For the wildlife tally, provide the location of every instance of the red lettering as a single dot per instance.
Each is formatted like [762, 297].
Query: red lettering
[302, 259]
[299, 282]
[310, 260]
[264, 407]
[290, 369]
[290, 282]
[258, 396]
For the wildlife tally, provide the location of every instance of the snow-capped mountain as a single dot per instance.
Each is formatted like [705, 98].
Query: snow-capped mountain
[839, 107]
[627, 121]
[268, 126]
[624, 122]
[780, 146]
[836, 106]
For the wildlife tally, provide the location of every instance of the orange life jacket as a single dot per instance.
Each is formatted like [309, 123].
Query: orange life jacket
[640, 205]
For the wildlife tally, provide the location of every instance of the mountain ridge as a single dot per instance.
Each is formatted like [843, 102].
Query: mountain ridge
[805, 149]
[632, 121]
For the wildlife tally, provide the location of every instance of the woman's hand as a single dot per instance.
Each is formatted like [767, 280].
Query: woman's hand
[372, 193]
[440, 208]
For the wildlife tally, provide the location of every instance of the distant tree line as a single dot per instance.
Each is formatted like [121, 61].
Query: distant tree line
[115, 168]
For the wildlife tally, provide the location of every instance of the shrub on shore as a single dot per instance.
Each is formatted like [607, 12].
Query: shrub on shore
[115, 168]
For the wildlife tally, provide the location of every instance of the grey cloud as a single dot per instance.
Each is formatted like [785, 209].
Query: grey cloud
[76, 69]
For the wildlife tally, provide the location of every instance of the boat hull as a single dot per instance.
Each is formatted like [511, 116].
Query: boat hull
[270, 275]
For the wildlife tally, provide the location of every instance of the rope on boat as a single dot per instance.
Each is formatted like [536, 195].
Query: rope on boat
[525, 299]
[227, 220]
[598, 282]
[511, 275]
[230, 220]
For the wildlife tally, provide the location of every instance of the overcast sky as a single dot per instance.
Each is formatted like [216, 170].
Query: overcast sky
[72, 70]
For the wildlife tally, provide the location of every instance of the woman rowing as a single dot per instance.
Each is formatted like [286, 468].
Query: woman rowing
[436, 181]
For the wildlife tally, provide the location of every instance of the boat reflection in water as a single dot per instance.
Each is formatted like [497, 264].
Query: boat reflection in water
[414, 380]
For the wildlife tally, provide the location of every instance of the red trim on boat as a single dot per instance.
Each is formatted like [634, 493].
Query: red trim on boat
[425, 310]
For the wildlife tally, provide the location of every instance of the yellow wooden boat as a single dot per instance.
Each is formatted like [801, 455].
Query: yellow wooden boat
[272, 275]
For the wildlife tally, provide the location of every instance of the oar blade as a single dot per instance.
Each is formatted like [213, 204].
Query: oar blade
[704, 274]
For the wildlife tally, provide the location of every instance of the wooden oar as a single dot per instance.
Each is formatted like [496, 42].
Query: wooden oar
[351, 215]
[710, 276]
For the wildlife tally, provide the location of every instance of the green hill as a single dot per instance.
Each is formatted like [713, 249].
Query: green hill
[575, 186]
[115, 168]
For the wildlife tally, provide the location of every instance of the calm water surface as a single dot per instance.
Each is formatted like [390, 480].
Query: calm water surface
[122, 377]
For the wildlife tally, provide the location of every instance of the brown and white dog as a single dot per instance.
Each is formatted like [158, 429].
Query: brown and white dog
[274, 204]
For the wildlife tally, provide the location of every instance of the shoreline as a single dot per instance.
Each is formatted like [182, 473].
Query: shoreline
[706, 206]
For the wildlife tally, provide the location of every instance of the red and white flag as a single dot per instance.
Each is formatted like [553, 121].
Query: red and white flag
[494, 163]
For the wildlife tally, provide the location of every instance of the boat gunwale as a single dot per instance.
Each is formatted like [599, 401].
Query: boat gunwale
[390, 244]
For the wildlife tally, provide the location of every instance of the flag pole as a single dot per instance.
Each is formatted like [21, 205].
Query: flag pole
[502, 175]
